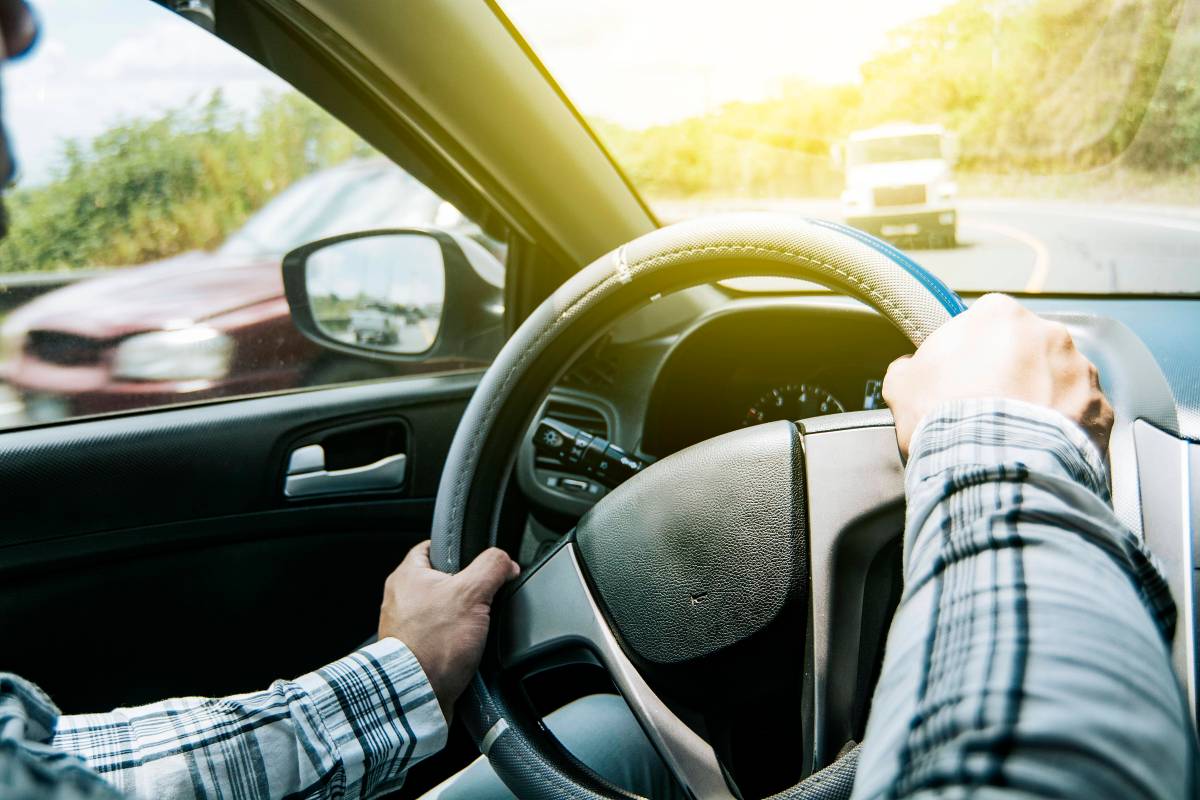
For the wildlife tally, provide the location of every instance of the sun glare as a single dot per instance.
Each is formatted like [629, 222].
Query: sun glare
[647, 62]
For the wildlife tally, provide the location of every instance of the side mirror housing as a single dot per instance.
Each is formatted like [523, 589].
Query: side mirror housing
[400, 295]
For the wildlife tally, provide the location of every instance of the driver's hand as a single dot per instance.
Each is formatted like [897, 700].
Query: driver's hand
[444, 618]
[998, 348]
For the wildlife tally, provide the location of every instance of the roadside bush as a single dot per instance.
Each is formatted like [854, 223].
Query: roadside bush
[148, 189]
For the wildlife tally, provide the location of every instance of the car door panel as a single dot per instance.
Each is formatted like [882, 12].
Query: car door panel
[154, 555]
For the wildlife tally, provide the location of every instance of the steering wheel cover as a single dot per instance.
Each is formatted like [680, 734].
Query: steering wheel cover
[482, 452]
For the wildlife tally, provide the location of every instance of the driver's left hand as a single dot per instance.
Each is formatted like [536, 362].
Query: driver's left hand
[443, 619]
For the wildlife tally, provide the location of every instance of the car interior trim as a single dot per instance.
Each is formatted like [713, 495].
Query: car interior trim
[855, 484]
[1167, 486]
[554, 606]
[385, 474]
[191, 445]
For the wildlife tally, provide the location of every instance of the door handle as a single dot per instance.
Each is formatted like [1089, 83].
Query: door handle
[307, 476]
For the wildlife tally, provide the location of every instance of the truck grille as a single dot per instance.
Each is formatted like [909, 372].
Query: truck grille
[66, 349]
[900, 195]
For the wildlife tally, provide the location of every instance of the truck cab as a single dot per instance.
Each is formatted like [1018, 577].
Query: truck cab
[900, 183]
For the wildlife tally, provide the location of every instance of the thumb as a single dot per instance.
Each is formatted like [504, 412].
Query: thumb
[490, 570]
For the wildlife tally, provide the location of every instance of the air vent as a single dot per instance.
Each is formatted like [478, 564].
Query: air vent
[595, 369]
[581, 416]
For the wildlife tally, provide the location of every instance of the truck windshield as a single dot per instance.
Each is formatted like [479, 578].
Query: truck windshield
[899, 148]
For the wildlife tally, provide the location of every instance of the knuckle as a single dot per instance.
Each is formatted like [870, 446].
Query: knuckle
[1058, 334]
[495, 557]
[995, 302]
[1058, 329]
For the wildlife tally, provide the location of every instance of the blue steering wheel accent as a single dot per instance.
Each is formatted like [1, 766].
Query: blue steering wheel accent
[945, 295]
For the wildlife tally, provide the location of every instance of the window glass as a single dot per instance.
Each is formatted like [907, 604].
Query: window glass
[163, 175]
[1008, 145]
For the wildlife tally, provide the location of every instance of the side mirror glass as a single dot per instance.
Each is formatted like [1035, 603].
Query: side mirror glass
[401, 295]
[380, 292]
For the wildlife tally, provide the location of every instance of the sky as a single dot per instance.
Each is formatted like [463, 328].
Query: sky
[645, 62]
[99, 61]
[636, 62]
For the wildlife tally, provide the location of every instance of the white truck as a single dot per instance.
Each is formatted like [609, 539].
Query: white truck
[374, 324]
[900, 183]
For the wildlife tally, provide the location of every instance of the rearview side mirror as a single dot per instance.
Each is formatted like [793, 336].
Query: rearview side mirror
[397, 295]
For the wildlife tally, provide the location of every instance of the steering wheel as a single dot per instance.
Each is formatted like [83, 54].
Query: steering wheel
[738, 564]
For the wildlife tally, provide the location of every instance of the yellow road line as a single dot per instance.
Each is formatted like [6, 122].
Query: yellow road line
[1041, 255]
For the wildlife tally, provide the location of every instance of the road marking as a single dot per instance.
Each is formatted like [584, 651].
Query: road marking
[1041, 255]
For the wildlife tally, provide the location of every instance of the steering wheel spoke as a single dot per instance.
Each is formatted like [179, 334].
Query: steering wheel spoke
[855, 482]
[553, 609]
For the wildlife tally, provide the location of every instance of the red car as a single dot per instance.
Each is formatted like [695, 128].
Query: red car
[203, 325]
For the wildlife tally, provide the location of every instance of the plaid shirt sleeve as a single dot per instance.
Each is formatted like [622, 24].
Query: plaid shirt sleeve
[1029, 656]
[349, 730]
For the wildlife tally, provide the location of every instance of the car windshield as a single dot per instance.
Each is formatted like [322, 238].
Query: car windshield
[1013, 145]
[355, 197]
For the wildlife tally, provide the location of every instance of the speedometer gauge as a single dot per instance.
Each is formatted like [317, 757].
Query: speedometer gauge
[793, 401]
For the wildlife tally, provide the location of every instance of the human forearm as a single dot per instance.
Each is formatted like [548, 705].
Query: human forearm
[352, 729]
[1028, 655]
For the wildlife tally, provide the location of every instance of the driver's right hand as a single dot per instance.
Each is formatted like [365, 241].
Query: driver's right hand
[998, 348]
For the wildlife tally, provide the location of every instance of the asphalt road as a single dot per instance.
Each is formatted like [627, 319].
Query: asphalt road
[1042, 246]
[1059, 247]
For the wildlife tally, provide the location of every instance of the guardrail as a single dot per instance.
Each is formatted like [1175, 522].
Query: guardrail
[21, 287]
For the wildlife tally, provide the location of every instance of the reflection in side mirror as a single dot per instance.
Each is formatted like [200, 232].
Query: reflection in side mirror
[382, 292]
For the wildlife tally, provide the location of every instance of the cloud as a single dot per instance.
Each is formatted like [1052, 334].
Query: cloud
[171, 51]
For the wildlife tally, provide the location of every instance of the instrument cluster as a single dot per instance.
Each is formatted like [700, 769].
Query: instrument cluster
[764, 364]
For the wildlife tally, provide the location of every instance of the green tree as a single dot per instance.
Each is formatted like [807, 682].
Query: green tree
[151, 188]
[1032, 86]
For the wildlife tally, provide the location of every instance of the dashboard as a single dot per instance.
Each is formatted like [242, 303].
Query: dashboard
[707, 361]
[758, 363]
[680, 372]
